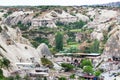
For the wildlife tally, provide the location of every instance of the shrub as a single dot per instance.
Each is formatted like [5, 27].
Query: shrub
[45, 78]
[17, 77]
[62, 78]
[10, 78]
[74, 49]
[97, 73]
[46, 62]
[35, 44]
[67, 66]
[5, 15]
[5, 63]
[41, 40]
[86, 62]
[1, 73]
[22, 26]
[72, 76]
[94, 48]
[88, 69]
[53, 50]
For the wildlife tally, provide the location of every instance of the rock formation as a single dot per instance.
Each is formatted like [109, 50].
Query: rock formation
[43, 50]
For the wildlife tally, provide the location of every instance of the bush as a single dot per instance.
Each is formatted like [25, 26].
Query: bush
[86, 62]
[5, 15]
[41, 40]
[62, 78]
[88, 69]
[67, 66]
[22, 26]
[1, 73]
[97, 73]
[17, 77]
[74, 50]
[94, 48]
[10, 78]
[5, 63]
[53, 50]
[46, 62]
[75, 25]
[72, 76]
[35, 44]
[59, 41]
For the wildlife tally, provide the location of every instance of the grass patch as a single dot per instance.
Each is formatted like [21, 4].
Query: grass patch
[72, 44]
[75, 30]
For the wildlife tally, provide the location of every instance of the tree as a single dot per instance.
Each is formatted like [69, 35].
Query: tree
[88, 69]
[1, 73]
[86, 62]
[95, 47]
[97, 73]
[4, 63]
[59, 41]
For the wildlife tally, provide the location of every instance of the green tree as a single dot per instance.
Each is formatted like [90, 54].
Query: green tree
[97, 73]
[59, 41]
[86, 62]
[88, 69]
[1, 74]
[4, 63]
[95, 47]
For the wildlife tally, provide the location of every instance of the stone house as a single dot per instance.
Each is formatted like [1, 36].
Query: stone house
[43, 23]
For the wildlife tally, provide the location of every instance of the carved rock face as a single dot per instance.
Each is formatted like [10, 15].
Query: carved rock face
[43, 50]
[113, 45]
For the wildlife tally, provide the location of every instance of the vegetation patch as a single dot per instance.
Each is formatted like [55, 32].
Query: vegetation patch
[67, 66]
[46, 62]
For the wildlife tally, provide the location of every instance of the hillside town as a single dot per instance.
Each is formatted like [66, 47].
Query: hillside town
[60, 43]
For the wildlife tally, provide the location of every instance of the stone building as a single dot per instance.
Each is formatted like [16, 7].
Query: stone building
[43, 23]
